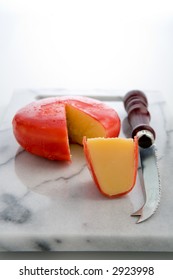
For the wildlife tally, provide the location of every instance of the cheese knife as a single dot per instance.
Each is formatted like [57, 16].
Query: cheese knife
[136, 105]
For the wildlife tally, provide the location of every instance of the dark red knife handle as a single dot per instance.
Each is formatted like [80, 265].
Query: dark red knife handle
[136, 105]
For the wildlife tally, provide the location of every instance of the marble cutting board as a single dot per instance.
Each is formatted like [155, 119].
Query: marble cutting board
[54, 206]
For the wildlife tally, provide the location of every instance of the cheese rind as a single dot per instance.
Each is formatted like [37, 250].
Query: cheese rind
[113, 163]
[44, 127]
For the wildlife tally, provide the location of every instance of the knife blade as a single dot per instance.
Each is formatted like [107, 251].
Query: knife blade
[136, 105]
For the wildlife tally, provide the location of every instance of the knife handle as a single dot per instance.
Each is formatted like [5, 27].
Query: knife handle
[136, 105]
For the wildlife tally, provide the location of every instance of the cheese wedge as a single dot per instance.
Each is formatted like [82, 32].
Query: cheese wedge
[113, 163]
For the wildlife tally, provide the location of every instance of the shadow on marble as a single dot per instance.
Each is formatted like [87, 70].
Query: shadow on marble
[55, 179]
[87, 256]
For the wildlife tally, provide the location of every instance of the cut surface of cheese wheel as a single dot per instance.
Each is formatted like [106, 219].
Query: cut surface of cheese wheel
[79, 124]
[45, 127]
[113, 163]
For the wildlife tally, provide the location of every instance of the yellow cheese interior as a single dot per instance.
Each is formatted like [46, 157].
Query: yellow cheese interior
[81, 124]
[113, 161]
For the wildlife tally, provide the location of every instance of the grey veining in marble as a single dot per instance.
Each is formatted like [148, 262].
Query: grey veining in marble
[55, 206]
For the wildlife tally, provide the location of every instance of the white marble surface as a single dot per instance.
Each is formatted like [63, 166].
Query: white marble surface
[54, 206]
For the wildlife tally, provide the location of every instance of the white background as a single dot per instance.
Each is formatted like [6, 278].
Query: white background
[80, 44]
